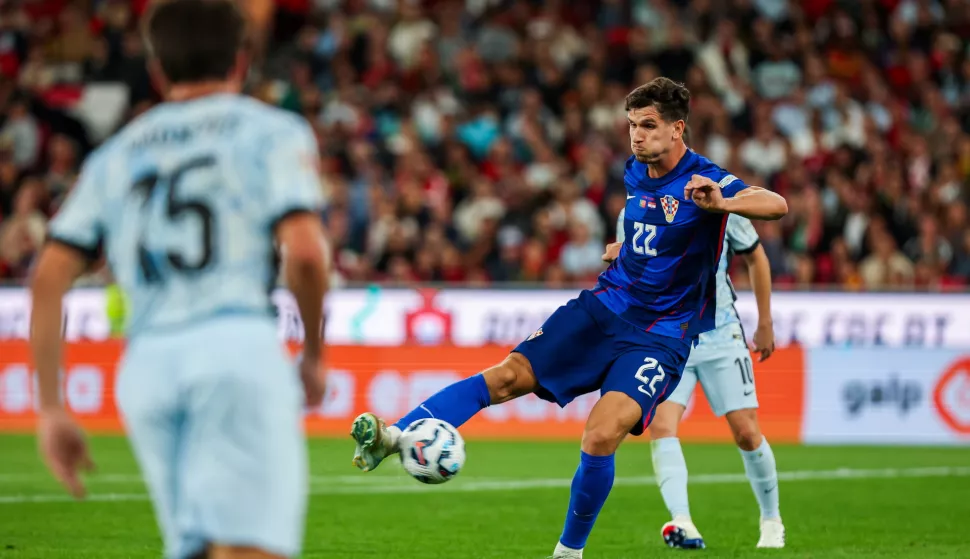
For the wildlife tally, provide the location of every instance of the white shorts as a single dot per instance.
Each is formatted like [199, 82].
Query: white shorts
[722, 363]
[214, 413]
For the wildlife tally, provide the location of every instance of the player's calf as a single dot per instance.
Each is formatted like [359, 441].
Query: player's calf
[510, 379]
[609, 422]
[762, 473]
[745, 428]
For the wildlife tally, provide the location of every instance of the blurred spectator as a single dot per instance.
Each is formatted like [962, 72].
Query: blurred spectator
[582, 255]
[484, 141]
[886, 266]
[21, 133]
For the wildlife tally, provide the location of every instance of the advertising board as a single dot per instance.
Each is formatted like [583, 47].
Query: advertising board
[887, 396]
[388, 381]
[474, 318]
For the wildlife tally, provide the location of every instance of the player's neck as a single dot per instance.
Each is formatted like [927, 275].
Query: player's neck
[189, 91]
[667, 164]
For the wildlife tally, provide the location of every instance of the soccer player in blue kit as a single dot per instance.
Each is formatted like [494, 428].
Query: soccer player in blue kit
[631, 335]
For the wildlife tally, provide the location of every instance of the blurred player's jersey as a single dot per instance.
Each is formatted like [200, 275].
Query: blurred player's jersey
[184, 202]
[665, 278]
[740, 238]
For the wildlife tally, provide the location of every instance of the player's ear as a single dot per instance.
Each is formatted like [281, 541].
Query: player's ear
[680, 128]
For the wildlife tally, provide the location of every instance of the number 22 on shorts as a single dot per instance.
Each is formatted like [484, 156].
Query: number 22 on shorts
[649, 386]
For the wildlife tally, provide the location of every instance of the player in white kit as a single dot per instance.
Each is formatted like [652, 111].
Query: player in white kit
[188, 203]
[721, 362]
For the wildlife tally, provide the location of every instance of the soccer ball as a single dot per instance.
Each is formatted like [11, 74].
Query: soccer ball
[432, 451]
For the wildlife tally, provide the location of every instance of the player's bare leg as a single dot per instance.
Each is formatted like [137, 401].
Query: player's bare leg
[759, 466]
[455, 404]
[238, 552]
[670, 469]
[611, 419]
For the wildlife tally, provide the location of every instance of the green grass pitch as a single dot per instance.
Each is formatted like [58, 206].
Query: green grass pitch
[838, 502]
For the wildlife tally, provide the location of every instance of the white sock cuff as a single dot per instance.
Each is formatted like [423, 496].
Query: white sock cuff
[756, 453]
[665, 444]
[395, 434]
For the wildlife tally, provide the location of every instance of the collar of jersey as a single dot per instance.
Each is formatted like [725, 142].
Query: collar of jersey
[653, 184]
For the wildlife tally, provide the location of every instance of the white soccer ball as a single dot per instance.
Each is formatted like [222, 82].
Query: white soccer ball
[432, 451]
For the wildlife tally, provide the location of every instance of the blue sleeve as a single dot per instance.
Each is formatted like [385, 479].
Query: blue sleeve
[730, 184]
[79, 223]
[292, 163]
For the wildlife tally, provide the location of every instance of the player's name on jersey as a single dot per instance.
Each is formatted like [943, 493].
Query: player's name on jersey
[505, 317]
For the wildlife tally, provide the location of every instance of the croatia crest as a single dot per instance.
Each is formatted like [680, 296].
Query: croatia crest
[670, 205]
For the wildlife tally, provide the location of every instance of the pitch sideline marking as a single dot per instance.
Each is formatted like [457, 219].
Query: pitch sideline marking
[473, 486]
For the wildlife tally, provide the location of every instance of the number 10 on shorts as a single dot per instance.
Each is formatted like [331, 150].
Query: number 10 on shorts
[649, 386]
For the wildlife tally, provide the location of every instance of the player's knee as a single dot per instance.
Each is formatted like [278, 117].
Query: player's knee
[748, 435]
[663, 425]
[661, 430]
[510, 379]
[603, 440]
[665, 420]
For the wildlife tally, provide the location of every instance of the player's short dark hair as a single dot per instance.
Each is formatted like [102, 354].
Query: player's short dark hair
[195, 40]
[670, 98]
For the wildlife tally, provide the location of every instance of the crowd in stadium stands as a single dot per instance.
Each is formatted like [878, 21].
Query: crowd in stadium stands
[482, 141]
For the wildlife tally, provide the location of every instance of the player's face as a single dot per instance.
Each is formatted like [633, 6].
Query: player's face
[651, 138]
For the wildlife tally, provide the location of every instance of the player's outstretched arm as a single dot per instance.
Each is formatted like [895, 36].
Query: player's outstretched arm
[61, 441]
[306, 271]
[753, 202]
[759, 270]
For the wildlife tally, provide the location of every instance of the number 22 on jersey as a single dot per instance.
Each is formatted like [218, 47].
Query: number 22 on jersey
[643, 236]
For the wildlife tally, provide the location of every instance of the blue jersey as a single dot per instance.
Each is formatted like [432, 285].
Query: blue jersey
[184, 201]
[664, 280]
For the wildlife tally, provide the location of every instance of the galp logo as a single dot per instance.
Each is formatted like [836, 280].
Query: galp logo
[952, 396]
[885, 394]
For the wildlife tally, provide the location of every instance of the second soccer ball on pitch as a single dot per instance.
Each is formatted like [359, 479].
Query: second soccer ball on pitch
[432, 451]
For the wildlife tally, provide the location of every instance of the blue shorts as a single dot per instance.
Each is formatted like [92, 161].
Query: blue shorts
[585, 346]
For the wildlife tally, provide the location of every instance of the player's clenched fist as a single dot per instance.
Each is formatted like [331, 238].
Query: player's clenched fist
[705, 193]
[612, 252]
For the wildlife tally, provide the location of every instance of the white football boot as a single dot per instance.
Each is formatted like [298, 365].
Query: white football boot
[681, 533]
[563, 552]
[375, 441]
[772, 534]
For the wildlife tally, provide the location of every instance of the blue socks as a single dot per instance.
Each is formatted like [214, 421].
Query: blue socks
[455, 403]
[591, 486]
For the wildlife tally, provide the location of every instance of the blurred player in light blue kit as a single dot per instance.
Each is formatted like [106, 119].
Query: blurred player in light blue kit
[189, 203]
[721, 362]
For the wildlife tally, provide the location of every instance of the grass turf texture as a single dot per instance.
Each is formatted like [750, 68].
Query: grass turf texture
[510, 500]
